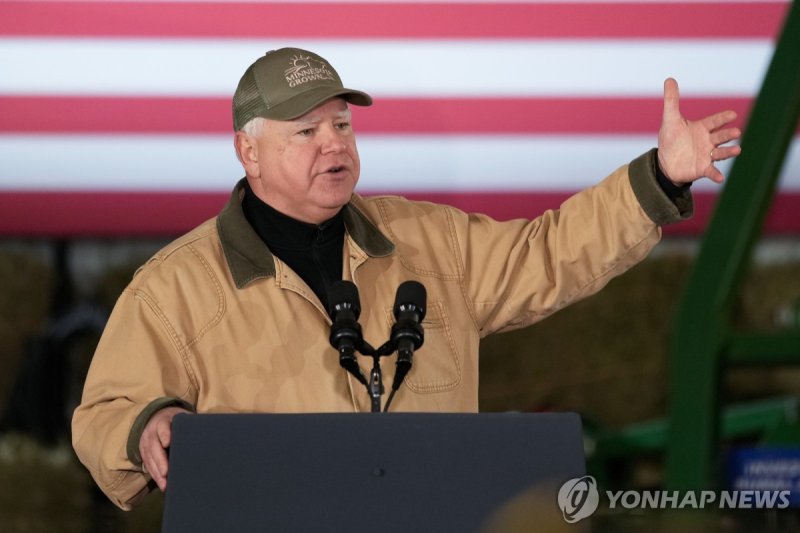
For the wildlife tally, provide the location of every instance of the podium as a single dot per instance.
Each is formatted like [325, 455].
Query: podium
[390, 472]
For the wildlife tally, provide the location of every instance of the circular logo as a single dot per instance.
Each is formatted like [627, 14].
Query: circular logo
[578, 498]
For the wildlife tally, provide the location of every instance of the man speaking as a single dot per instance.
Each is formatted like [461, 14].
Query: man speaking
[232, 317]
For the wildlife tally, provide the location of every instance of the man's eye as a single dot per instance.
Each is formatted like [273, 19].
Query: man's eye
[306, 132]
[343, 125]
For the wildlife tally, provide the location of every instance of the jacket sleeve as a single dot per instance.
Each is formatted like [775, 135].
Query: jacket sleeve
[137, 368]
[540, 266]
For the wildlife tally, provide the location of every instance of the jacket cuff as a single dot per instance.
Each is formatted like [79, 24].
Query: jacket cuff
[143, 418]
[654, 201]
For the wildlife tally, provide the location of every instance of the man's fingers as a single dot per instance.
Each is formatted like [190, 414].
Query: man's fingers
[714, 174]
[164, 432]
[155, 441]
[156, 464]
[671, 100]
[717, 120]
[162, 466]
[722, 153]
[725, 135]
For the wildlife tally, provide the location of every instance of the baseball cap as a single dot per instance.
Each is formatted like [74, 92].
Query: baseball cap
[286, 83]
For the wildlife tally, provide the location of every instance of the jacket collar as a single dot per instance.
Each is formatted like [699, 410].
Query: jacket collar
[248, 257]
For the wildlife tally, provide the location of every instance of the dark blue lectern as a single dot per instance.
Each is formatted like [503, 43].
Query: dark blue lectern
[393, 472]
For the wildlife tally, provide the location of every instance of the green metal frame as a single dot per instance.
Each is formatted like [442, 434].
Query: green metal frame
[736, 422]
[703, 342]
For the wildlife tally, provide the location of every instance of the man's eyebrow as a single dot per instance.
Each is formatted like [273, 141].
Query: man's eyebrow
[344, 114]
[305, 120]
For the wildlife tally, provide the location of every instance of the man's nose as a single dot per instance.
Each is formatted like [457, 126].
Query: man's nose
[331, 140]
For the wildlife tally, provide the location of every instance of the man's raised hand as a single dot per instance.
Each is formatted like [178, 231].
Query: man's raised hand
[688, 149]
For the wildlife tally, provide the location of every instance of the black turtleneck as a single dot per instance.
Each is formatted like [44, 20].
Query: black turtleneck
[313, 251]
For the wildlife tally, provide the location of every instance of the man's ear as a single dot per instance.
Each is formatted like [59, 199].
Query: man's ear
[247, 152]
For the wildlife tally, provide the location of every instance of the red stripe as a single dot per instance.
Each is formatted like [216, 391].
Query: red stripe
[22, 114]
[393, 20]
[137, 214]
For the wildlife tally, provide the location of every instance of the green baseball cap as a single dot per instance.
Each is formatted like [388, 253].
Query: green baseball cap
[287, 83]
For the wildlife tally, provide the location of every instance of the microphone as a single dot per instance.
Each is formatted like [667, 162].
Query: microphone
[407, 334]
[346, 337]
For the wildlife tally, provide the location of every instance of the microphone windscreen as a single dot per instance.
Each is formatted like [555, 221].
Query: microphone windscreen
[343, 293]
[411, 293]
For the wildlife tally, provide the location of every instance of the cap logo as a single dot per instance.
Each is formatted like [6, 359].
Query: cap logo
[306, 69]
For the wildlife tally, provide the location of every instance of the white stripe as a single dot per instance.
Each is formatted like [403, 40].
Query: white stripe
[389, 163]
[205, 67]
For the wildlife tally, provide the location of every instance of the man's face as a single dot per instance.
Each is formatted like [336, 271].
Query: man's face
[308, 167]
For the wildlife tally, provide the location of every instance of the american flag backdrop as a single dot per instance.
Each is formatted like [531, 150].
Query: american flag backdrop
[115, 115]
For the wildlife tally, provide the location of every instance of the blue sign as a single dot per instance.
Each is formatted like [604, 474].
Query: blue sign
[766, 469]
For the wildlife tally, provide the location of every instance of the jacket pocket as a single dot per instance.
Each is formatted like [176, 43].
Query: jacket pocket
[436, 365]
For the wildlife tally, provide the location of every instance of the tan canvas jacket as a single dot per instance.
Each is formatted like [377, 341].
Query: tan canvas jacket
[214, 322]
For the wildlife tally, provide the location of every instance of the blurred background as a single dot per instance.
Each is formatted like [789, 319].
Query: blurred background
[115, 137]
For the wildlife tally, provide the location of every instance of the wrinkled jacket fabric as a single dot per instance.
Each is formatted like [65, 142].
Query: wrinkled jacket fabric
[216, 323]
